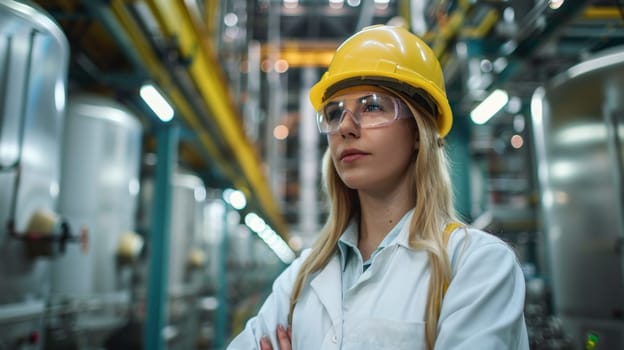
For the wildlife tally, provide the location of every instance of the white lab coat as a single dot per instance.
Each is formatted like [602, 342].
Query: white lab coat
[385, 309]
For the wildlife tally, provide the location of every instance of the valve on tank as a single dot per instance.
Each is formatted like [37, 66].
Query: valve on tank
[196, 258]
[129, 247]
[46, 234]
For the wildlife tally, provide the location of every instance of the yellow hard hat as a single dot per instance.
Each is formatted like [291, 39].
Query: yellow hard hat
[387, 56]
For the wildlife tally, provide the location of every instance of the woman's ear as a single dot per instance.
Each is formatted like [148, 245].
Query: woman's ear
[416, 139]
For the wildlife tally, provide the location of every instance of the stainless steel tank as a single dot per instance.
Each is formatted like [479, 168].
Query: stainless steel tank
[186, 249]
[34, 56]
[99, 191]
[185, 243]
[577, 122]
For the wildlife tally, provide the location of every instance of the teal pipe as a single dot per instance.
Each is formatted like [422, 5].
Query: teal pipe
[101, 11]
[166, 153]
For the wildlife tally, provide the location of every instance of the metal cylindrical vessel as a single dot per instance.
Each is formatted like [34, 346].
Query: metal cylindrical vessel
[99, 191]
[577, 122]
[34, 56]
[189, 194]
[186, 251]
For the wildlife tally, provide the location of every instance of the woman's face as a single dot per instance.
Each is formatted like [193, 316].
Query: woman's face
[375, 158]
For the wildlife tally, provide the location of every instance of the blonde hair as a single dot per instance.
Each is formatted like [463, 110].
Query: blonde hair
[433, 209]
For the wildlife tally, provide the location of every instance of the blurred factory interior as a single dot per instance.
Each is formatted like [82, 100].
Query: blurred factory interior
[159, 160]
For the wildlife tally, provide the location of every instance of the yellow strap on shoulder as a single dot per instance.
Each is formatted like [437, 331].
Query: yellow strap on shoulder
[446, 235]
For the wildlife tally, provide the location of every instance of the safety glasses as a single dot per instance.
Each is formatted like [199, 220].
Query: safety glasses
[371, 110]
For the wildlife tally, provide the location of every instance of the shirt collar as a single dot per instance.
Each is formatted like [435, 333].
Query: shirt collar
[348, 241]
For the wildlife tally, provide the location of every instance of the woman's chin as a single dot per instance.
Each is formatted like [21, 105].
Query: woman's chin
[357, 182]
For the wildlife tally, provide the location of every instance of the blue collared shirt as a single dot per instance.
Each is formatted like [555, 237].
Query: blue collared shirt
[350, 257]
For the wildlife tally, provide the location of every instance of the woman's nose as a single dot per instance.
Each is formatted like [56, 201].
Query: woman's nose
[349, 125]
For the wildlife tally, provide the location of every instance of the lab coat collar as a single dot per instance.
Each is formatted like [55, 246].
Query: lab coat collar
[326, 286]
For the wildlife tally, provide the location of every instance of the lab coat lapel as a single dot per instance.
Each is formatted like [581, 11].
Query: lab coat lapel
[327, 286]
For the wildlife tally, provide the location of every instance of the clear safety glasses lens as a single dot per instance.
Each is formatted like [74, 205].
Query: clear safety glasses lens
[371, 110]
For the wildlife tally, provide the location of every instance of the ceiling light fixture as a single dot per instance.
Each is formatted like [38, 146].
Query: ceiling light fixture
[156, 102]
[270, 237]
[555, 4]
[489, 107]
[291, 4]
[336, 4]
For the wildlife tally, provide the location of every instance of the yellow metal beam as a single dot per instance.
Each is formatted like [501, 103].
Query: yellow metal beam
[405, 11]
[485, 25]
[448, 27]
[302, 54]
[440, 43]
[211, 18]
[601, 13]
[297, 58]
[205, 70]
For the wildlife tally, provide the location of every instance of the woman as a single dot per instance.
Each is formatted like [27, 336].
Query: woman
[393, 268]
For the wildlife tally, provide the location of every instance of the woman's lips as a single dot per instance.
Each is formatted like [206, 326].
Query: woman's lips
[352, 155]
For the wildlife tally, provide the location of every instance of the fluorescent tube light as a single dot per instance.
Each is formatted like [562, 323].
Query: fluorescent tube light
[291, 4]
[555, 4]
[270, 237]
[156, 102]
[235, 198]
[489, 107]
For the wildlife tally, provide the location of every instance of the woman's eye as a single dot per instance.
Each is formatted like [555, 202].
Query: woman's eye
[372, 107]
[333, 115]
